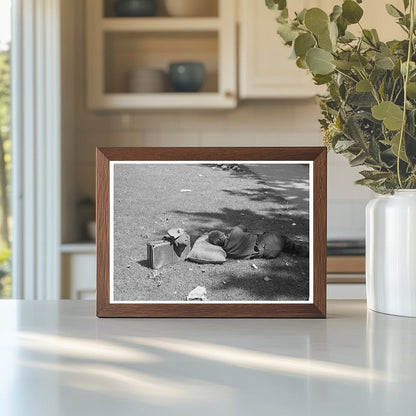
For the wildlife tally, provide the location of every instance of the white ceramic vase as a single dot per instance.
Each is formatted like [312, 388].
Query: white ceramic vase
[391, 253]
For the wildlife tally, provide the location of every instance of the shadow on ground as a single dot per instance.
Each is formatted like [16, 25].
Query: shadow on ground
[272, 280]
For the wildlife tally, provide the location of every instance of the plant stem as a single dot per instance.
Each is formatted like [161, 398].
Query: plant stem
[346, 75]
[392, 90]
[406, 80]
[373, 88]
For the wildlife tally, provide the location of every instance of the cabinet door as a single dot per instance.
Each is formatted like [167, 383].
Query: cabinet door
[265, 68]
[78, 276]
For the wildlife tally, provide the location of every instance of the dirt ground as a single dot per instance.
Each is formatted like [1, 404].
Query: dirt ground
[150, 199]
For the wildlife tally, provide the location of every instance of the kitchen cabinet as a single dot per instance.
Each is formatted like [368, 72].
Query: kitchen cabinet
[118, 45]
[78, 263]
[265, 70]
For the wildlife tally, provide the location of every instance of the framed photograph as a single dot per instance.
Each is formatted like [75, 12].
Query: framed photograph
[211, 232]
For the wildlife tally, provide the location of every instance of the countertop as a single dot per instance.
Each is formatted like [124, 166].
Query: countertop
[57, 358]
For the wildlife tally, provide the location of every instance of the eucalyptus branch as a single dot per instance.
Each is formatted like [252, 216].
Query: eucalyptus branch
[398, 95]
[386, 95]
[392, 90]
[404, 28]
[406, 80]
[373, 88]
[346, 75]
[369, 40]
[340, 47]
[358, 45]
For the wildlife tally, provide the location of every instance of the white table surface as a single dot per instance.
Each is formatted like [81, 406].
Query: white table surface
[57, 358]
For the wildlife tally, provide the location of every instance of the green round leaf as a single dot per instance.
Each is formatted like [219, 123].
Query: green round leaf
[351, 11]
[319, 61]
[303, 43]
[324, 41]
[384, 62]
[363, 86]
[328, 38]
[276, 4]
[336, 12]
[395, 144]
[411, 90]
[344, 65]
[301, 15]
[287, 33]
[316, 20]
[358, 61]
[375, 35]
[391, 114]
[403, 67]
[322, 79]
[393, 11]
[301, 63]
[342, 25]
[333, 32]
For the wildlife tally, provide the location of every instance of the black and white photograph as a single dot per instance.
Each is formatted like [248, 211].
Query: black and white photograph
[183, 232]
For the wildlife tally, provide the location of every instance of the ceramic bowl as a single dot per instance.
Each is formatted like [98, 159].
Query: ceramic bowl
[147, 80]
[186, 76]
[135, 8]
[191, 8]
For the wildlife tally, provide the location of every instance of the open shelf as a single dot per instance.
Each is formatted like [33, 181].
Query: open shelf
[119, 45]
[211, 9]
[160, 24]
[127, 51]
[85, 247]
[346, 264]
[167, 100]
[346, 269]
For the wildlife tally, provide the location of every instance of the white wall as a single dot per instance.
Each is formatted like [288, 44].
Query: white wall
[257, 123]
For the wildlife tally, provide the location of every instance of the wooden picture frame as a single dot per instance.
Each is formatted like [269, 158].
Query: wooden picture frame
[230, 164]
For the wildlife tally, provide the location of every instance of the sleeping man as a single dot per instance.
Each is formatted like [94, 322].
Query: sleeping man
[241, 244]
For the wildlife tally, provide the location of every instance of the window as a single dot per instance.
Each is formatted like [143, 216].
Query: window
[5, 145]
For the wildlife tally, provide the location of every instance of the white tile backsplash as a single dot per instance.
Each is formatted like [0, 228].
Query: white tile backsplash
[215, 120]
[170, 138]
[341, 180]
[346, 219]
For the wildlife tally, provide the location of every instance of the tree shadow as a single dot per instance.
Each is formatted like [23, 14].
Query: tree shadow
[283, 184]
[200, 222]
[299, 179]
[283, 279]
[264, 194]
